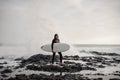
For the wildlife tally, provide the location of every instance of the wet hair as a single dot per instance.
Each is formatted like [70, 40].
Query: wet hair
[55, 35]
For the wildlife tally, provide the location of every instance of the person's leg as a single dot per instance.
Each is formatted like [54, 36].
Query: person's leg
[53, 57]
[60, 57]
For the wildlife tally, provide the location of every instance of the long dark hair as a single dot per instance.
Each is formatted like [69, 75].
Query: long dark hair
[55, 36]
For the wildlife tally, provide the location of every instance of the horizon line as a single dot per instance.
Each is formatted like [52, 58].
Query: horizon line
[95, 44]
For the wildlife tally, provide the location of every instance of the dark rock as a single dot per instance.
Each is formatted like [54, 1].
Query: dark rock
[2, 79]
[39, 59]
[106, 63]
[21, 77]
[2, 57]
[116, 73]
[11, 78]
[117, 60]
[51, 68]
[4, 75]
[76, 57]
[65, 68]
[49, 77]
[89, 63]
[88, 68]
[98, 79]
[100, 74]
[1, 67]
[115, 79]
[19, 59]
[101, 66]
[94, 59]
[34, 76]
[6, 71]
[3, 63]
[17, 67]
[68, 62]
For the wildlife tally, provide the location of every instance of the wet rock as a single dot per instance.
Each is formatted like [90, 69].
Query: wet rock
[98, 79]
[19, 59]
[4, 75]
[17, 67]
[100, 74]
[88, 68]
[101, 66]
[39, 62]
[116, 73]
[115, 79]
[40, 76]
[49, 77]
[2, 57]
[39, 59]
[1, 67]
[3, 63]
[55, 68]
[68, 62]
[85, 59]
[89, 63]
[76, 57]
[106, 63]
[6, 71]
[21, 77]
[117, 60]
[11, 78]
[94, 59]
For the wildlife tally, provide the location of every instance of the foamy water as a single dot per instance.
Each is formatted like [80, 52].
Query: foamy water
[99, 48]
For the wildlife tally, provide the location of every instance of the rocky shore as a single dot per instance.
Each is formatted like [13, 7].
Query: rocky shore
[73, 68]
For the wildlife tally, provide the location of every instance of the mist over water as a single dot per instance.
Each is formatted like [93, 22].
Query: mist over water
[99, 48]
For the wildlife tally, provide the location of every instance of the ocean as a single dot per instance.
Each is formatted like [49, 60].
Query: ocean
[82, 49]
[99, 48]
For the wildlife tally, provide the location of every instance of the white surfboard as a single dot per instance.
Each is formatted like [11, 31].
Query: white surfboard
[57, 47]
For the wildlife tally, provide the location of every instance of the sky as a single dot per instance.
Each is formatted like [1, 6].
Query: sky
[76, 21]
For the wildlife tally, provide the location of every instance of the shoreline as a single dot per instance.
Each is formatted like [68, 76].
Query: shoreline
[87, 67]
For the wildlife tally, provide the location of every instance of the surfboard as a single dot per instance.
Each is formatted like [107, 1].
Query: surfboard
[57, 47]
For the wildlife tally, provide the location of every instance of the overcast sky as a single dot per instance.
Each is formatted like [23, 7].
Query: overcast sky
[77, 21]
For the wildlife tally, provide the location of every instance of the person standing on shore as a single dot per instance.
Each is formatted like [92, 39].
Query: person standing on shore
[56, 40]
